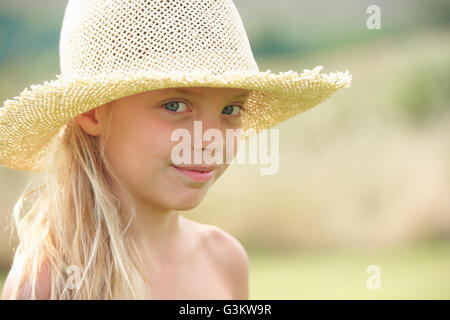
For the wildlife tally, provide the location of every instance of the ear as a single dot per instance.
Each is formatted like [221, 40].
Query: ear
[90, 121]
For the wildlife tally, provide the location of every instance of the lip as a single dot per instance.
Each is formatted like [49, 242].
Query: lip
[195, 174]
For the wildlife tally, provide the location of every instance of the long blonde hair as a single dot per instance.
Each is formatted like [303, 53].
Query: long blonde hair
[76, 227]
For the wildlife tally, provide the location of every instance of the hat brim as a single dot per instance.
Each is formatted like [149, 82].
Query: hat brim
[29, 123]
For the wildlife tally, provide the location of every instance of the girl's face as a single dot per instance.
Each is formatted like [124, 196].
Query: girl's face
[139, 144]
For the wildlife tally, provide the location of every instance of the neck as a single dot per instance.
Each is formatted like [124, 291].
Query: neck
[156, 229]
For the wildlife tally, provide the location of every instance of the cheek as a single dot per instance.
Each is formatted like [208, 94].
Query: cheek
[138, 148]
[231, 144]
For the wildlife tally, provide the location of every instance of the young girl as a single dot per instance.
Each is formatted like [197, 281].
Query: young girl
[104, 220]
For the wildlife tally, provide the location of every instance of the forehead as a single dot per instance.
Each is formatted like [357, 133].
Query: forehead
[206, 91]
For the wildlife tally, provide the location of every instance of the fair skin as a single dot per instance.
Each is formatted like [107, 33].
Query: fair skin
[184, 259]
[187, 260]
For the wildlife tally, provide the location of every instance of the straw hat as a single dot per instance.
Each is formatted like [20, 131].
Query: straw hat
[114, 48]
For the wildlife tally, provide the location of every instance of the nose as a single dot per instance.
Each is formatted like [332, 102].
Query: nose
[208, 119]
[209, 146]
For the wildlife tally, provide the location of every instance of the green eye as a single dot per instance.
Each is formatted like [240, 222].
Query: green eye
[229, 110]
[174, 106]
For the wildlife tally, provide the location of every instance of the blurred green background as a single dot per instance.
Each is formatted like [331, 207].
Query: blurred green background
[364, 177]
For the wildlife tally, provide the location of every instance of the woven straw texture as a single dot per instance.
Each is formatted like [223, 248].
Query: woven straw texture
[110, 49]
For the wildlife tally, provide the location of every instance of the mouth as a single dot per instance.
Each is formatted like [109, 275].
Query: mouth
[197, 174]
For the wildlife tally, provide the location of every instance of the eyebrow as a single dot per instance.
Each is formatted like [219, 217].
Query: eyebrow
[190, 93]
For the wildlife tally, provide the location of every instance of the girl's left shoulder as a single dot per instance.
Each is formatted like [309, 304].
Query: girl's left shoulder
[227, 254]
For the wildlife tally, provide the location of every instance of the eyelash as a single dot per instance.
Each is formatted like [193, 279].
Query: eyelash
[174, 112]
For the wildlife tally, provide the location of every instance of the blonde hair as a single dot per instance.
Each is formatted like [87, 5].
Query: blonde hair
[75, 227]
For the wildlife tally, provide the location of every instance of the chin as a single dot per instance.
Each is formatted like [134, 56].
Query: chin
[185, 206]
[187, 201]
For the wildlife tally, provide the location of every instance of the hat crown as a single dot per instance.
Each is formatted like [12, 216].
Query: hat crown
[105, 37]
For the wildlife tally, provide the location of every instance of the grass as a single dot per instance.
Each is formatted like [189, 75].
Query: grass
[416, 271]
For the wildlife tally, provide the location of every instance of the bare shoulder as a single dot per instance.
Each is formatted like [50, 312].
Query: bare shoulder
[24, 293]
[229, 256]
